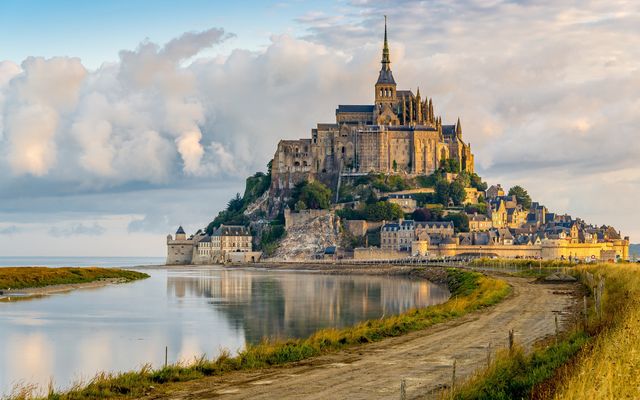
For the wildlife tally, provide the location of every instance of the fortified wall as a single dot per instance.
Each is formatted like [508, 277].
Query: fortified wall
[548, 250]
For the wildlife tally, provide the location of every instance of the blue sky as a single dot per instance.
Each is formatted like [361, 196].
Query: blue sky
[120, 120]
[96, 31]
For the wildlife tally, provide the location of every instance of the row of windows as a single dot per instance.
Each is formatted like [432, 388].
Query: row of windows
[386, 92]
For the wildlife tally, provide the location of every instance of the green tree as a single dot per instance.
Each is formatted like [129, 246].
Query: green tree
[464, 179]
[460, 221]
[457, 193]
[235, 204]
[477, 183]
[395, 165]
[383, 210]
[422, 214]
[315, 195]
[521, 195]
[442, 192]
[300, 205]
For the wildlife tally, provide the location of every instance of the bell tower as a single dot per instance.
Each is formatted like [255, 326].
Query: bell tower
[386, 85]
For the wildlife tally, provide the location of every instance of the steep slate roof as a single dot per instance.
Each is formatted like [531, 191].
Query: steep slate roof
[205, 239]
[232, 230]
[449, 130]
[355, 108]
[405, 93]
[180, 231]
[436, 224]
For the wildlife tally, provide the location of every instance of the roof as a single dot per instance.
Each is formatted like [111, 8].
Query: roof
[180, 231]
[449, 130]
[232, 230]
[205, 239]
[386, 76]
[330, 250]
[342, 108]
[437, 224]
[406, 93]
[478, 217]
[394, 226]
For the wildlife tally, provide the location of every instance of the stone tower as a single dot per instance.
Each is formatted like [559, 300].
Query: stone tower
[180, 234]
[386, 85]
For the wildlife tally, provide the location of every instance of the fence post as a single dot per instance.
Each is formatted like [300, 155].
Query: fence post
[584, 311]
[453, 376]
[166, 351]
[557, 329]
[510, 339]
[403, 390]
[489, 355]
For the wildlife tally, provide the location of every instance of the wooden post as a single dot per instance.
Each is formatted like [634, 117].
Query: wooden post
[166, 351]
[489, 355]
[453, 376]
[403, 390]
[584, 311]
[557, 329]
[510, 339]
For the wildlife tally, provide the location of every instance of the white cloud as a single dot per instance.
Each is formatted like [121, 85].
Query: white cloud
[547, 94]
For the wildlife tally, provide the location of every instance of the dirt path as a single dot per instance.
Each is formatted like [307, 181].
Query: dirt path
[424, 359]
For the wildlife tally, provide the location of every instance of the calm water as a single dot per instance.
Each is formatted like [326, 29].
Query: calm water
[193, 311]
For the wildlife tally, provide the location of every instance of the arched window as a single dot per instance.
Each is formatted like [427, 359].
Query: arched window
[343, 149]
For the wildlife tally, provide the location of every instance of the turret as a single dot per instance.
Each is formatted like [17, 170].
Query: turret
[418, 107]
[458, 129]
[431, 117]
[180, 234]
[385, 86]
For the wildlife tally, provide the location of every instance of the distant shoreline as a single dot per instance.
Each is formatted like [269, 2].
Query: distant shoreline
[62, 288]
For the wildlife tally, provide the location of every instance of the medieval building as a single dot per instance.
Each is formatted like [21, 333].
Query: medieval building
[399, 133]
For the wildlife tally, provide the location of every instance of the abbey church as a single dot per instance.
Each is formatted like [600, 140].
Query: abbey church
[399, 134]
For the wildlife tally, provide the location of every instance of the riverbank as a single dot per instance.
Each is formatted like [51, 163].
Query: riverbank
[470, 291]
[38, 281]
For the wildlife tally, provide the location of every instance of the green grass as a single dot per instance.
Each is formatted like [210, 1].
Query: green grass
[34, 277]
[470, 291]
[516, 374]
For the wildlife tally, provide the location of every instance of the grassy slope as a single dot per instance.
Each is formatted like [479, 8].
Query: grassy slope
[470, 291]
[609, 368]
[600, 362]
[31, 277]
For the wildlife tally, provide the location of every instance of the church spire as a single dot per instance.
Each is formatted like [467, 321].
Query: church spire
[386, 77]
[385, 50]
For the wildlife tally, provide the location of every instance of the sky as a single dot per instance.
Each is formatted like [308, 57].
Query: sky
[121, 120]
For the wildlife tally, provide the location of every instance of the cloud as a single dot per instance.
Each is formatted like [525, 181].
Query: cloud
[546, 91]
[94, 229]
[9, 230]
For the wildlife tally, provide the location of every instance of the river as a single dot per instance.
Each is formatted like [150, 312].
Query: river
[192, 311]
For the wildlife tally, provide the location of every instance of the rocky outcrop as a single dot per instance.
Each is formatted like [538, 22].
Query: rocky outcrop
[309, 236]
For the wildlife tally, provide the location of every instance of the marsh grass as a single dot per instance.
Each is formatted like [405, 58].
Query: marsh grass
[35, 277]
[600, 362]
[470, 291]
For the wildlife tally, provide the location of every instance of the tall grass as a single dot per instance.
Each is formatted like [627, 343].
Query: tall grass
[610, 368]
[32, 277]
[470, 291]
[599, 362]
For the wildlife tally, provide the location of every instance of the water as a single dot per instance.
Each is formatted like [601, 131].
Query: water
[193, 311]
[79, 261]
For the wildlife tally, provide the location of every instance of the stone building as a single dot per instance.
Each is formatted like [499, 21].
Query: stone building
[228, 243]
[399, 133]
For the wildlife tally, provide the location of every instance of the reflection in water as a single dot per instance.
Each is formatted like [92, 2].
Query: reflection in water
[280, 305]
[71, 336]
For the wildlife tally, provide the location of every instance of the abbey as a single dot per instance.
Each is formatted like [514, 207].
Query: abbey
[398, 134]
